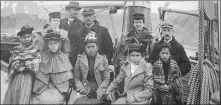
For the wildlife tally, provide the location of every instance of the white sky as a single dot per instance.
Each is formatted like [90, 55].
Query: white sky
[182, 5]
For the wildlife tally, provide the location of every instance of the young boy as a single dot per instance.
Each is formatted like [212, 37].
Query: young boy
[166, 72]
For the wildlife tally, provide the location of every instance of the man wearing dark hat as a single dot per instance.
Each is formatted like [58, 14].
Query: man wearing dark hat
[72, 23]
[138, 33]
[90, 24]
[177, 50]
[91, 73]
[54, 74]
[54, 22]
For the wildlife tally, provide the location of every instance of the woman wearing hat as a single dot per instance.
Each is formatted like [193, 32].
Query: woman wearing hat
[54, 22]
[136, 75]
[23, 64]
[52, 81]
[166, 72]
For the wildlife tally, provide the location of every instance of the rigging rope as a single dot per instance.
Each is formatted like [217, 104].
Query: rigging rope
[195, 79]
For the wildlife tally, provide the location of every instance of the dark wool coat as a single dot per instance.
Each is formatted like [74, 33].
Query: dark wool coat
[178, 54]
[104, 41]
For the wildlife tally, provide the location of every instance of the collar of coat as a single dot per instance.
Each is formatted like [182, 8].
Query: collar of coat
[95, 23]
[142, 67]
[83, 58]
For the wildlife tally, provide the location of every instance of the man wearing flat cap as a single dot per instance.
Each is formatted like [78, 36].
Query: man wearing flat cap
[177, 50]
[91, 73]
[54, 22]
[138, 33]
[104, 40]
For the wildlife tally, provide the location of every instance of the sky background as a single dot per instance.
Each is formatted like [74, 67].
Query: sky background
[182, 5]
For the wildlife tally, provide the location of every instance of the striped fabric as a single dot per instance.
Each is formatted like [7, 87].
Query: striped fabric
[173, 81]
[20, 76]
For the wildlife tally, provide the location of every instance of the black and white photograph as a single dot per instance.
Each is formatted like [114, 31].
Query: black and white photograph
[110, 52]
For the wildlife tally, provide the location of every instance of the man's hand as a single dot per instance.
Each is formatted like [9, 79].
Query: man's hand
[100, 94]
[83, 91]
[130, 99]
[109, 97]
[164, 88]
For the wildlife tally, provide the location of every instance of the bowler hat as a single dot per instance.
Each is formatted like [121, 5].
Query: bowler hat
[55, 15]
[25, 29]
[167, 24]
[138, 16]
[52, 35]
[88, 12]
[73, 5]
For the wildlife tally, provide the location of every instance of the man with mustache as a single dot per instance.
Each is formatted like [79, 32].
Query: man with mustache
[91, 24]
[177, 51]
[71, 24]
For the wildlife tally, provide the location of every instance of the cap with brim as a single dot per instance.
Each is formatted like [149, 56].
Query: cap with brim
[73, 5]
[87, 12]
[134, 46]
[138, 16]
[52, 36]
[25, 29]
[167, 24]
[55, 15]
[90, 41]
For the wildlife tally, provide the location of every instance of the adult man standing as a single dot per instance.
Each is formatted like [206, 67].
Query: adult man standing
[177, 51]
[90, 24]
[71, 24]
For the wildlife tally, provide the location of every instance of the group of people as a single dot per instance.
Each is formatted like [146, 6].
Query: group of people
[77, 55]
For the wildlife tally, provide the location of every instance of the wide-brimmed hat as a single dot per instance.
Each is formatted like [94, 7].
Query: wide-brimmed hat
[25, 29]
[91, 37]
[55, 15]
[73, 5]
[52, 35]
[87, 11]
[167, 24]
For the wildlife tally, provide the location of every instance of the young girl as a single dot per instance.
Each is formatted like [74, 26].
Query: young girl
[23, 63]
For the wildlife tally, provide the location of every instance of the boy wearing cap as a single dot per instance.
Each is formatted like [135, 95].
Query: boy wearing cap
[177, 50]
[54, 72]
[136, 75]
[104, 40]
[23, 64]
[54, 22]
[91, 73]
[140, 34]
[167, 83]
